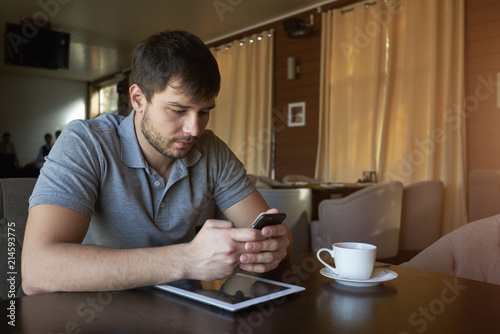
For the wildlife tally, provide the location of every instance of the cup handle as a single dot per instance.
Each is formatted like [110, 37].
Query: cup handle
[333, 269]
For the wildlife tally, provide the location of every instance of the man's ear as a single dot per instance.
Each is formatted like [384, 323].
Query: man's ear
[137, 98]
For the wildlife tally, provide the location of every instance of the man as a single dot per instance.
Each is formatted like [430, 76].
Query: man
[8, 157]
[6, 146]
[44, 150]
[118, 199]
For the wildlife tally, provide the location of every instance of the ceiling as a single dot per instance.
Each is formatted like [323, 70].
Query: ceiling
[104, 32]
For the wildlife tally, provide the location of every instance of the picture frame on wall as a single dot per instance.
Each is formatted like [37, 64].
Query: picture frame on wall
[297, 114]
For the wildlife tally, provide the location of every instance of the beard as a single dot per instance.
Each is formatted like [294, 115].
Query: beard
[163, 145]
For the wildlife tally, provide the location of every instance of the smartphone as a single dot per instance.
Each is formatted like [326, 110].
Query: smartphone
[267, 219]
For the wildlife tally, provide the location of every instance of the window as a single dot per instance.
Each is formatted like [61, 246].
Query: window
[108, 100]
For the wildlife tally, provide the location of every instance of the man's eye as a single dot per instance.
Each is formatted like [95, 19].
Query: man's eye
[177, 111]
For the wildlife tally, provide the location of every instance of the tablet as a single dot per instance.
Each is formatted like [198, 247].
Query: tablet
[234, 293]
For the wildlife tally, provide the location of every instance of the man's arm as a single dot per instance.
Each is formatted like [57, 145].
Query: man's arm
[53, 258]
[271, 245]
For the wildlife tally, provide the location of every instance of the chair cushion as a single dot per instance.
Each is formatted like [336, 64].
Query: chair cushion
[471, 251]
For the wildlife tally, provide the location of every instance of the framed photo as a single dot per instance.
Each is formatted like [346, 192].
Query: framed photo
[297, 114]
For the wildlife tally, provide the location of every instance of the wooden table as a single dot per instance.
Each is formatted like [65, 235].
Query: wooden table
[415, 302]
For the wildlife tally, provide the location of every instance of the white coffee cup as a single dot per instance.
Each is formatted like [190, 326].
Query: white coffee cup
[353, 260]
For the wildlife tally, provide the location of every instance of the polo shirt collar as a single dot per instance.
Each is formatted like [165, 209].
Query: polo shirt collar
[131, 154]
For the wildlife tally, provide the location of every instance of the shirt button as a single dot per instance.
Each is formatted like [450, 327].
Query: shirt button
[162, 205]
[157, 183]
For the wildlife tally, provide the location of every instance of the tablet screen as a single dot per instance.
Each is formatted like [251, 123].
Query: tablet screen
[233, 293]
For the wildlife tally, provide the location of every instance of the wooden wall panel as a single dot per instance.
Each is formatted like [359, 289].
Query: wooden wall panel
[295, 148]
[482, 46]
[473, 4]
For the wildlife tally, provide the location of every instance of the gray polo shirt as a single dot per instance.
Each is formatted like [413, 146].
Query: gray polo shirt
[96, 167]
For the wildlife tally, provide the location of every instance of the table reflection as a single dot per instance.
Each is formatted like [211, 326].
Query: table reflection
[351, 306]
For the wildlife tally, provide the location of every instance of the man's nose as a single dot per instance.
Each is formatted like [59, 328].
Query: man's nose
[193, 125]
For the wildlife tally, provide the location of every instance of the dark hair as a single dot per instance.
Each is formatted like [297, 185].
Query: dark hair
[175, 55]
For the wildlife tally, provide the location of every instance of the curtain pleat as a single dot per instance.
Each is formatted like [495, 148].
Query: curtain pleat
[243, 113]
[392, 97]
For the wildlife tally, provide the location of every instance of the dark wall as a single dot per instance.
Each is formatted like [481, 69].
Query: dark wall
[295, 147]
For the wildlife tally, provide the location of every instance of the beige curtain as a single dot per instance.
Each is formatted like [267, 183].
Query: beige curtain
[392, 96]
[243, 113]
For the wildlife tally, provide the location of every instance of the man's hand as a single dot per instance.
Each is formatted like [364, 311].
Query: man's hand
[264, 251]
[217, 248]
[267, 250]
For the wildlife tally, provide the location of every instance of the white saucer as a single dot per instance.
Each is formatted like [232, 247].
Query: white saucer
[379, 275]
[332, 185]
[300, 183]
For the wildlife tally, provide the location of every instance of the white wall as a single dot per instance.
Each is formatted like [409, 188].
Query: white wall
[33, 106]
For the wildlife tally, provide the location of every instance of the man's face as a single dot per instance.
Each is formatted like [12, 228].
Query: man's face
[172, 122]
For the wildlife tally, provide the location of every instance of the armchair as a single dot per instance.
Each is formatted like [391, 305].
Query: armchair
[371, 215]
[471, 251]
[421, 215]
[14, 195]
[484, 194]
